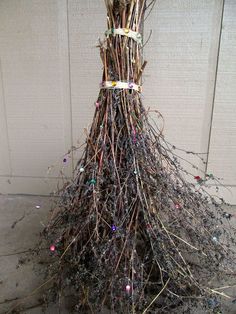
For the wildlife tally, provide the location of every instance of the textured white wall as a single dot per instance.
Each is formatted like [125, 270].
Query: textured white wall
[50, 70]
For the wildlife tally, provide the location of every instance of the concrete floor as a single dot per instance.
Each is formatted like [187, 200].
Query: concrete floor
[21, 220]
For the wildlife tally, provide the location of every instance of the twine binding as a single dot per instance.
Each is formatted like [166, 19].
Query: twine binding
[120, 85]
[125, 32]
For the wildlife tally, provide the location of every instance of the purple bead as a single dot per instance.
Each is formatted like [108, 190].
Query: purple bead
[113, 228]
[130, 85]
[64, 160]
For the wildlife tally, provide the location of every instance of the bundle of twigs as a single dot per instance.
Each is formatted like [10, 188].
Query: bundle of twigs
[131, 233]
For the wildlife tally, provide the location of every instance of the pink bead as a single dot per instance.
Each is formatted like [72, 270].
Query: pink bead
[97, 104]
[52, 248]
[128, 288]
[134, 135]
[177, 206]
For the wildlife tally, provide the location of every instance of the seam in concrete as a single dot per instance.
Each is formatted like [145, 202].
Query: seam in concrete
[69, 77]
[214, 88]
[5, 117]
[33, 177]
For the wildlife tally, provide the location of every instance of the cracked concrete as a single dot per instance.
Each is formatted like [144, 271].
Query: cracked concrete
[21, 220]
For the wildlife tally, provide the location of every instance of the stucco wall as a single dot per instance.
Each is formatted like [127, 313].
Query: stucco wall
[50, 72]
